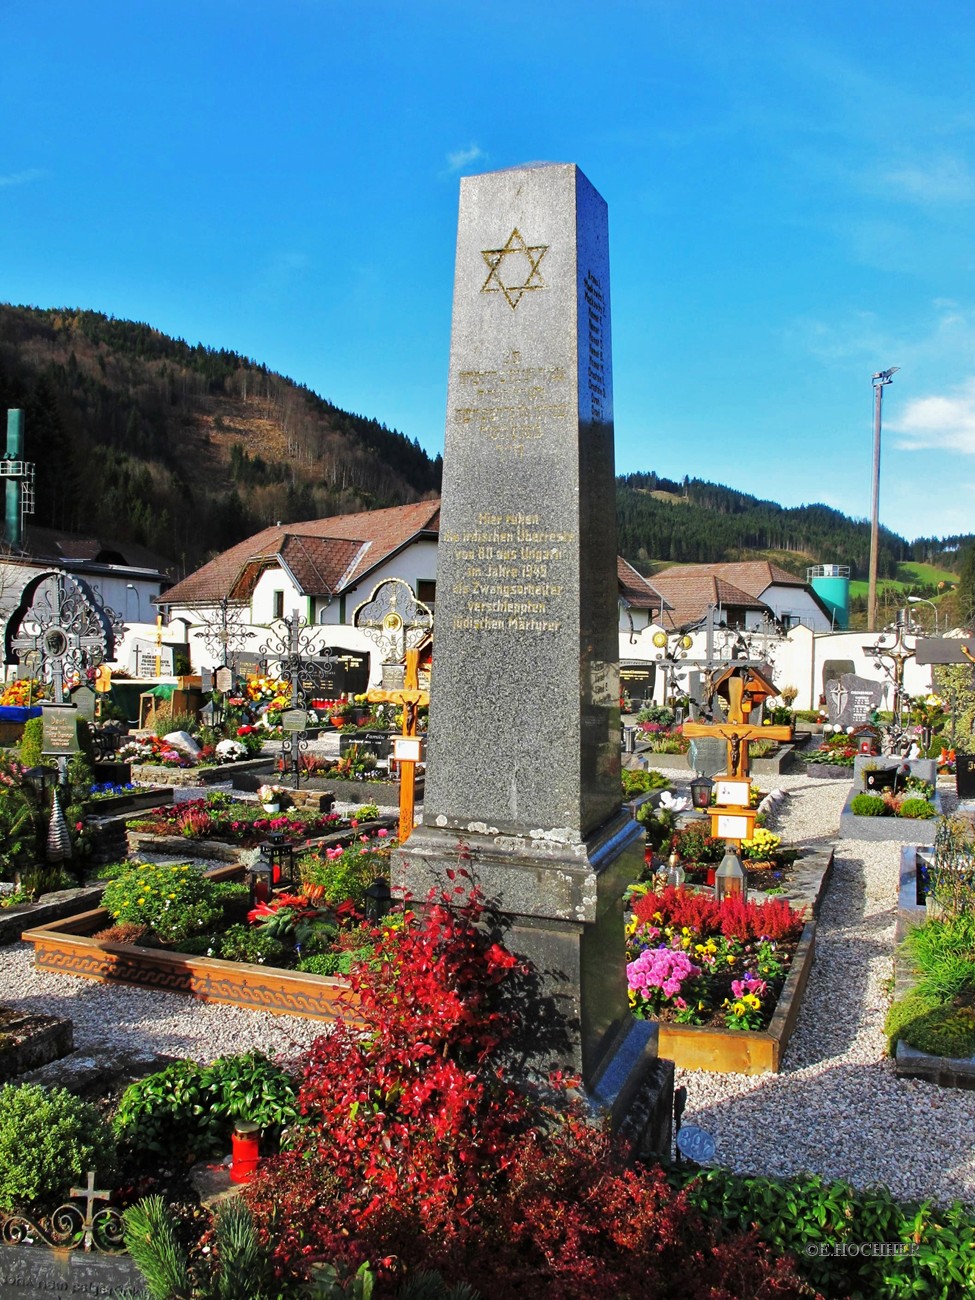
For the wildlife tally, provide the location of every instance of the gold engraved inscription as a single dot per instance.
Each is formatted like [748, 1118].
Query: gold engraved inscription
[509, 406]
[513, 269]
[509, 571]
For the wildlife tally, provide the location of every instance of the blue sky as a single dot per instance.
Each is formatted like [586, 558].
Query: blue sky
[790, 186]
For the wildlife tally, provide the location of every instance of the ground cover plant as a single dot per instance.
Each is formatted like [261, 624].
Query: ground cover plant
[831, 1231]
[695, 961]
[938, 1014]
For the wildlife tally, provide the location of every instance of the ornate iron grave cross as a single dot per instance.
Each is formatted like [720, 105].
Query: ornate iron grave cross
[60, 630]
[224, 634]
[399, 624]
[308, 671]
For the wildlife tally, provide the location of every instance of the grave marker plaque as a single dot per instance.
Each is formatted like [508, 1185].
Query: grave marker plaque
[60, 729]
[523, 763]
[34, 1273]
[223, 680]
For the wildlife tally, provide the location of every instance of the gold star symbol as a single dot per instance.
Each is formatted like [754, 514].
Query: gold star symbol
[519, 274]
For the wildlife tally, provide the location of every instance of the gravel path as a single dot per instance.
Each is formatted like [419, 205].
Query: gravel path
[836, 1109]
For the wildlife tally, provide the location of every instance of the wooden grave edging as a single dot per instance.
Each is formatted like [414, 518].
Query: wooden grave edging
[738, 1051]
[68, 948]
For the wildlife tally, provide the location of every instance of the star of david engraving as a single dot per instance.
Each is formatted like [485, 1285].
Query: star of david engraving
[519, 274]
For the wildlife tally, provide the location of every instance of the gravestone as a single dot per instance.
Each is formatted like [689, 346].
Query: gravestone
[29, 1272]
[850, 700]
[523, 764]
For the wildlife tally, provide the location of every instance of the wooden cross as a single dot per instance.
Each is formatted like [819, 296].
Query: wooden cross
[410, 698]
[737, 730]
[90, 1196]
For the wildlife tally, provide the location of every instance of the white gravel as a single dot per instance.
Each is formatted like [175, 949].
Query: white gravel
[835, 1109]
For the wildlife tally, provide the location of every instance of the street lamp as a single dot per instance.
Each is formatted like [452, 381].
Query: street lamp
[922, 600]
[879, 380]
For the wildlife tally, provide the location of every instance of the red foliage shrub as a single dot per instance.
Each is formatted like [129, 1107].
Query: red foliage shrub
[732, 917]
[416, 1153]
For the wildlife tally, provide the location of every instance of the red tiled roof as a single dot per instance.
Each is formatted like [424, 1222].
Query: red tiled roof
[691, 588]
[319, 552]
[635, 589]
[326, 556]
[753, 576]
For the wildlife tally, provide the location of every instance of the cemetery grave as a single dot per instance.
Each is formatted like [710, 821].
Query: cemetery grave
[423, 1089]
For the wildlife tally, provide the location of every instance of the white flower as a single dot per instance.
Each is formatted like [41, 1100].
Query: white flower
[672, 804]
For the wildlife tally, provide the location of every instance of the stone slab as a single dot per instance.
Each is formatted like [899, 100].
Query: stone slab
[783, 760]
[49, 907]
[35, 1273]
[878, 830]
[925, 768]
[28, 1041]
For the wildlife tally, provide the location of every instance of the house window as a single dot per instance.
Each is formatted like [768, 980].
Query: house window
[426, 590]
[278, 604]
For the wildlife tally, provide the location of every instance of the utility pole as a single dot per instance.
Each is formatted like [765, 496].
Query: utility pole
[879, 380]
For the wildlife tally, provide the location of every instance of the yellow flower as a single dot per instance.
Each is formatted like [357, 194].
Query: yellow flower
[750, 1000]
[730, 959]
[140, 901]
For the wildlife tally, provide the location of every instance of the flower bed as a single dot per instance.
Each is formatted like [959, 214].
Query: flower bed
[241, 824]
[721, 980]
[69, 947]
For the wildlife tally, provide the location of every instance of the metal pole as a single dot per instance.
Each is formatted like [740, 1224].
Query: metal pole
[874, 512]
[879, 380]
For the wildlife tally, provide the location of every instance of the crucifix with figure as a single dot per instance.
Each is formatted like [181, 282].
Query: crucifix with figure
[399, 623]
[731, 817]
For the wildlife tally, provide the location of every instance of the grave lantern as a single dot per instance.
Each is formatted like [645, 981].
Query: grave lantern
[245, 1145]
[730, 880]
[676, 874]
[701, 788]
[39, 777]
[379, 899]
[274, 866]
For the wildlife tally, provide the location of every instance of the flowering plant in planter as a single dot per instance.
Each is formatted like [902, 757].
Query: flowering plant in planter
[693, 960]
[762, 847]
[153, 750]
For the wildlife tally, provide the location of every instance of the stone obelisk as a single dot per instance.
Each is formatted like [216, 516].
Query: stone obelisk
[523, 761]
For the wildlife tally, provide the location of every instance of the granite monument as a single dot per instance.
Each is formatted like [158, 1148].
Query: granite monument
[523, 763]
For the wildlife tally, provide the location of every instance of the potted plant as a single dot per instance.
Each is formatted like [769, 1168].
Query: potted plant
[269, 797]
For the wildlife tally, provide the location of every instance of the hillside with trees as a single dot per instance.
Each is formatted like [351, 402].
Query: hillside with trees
[696, 522]
[186, 450]
[140, 437]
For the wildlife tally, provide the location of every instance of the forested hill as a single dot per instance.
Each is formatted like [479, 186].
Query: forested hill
[140, 437]
[698, 522]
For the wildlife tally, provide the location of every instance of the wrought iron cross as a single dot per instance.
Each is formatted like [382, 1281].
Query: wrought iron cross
[306, 668]
[61, 628]
[90, 1196]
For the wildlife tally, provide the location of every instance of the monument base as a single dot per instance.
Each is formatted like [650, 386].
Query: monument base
[559, 905]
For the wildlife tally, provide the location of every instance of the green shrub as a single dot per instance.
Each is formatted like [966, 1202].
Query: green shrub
[798, 1215]
[175, 900]
[190, 1108]
[244, 943]
[868, 805]
[939, 1028]
[332, 963]
[164, 723]
[49, 1139]
[638, 780]
[31, 743]
[919, 809]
